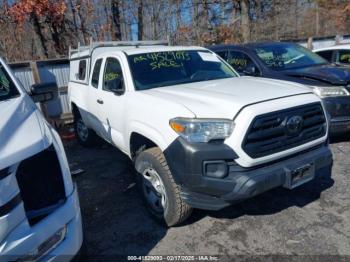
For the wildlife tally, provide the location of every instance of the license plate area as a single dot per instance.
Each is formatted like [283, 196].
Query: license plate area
[299, 176]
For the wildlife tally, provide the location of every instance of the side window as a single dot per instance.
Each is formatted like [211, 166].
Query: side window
[344, 56]
[96, 73]
[242, 63]
[82, 70]
[222, 54]
[113, 76]
[328, 55]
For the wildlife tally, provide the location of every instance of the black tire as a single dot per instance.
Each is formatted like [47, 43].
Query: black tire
[175, 211]
[90, 138]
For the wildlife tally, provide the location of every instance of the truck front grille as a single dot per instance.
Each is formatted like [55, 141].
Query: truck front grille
[278, 131]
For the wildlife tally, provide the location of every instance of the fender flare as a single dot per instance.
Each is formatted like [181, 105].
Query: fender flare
[152, 134]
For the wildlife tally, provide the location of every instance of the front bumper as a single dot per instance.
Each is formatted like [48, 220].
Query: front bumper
[25, 239]
[203, 192]
[338, 109]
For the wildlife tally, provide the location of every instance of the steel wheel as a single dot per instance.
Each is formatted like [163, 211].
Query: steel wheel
[82, 130]
[154, 190]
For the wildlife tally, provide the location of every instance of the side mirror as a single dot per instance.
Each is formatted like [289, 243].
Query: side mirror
[250, 71]
[44, 92]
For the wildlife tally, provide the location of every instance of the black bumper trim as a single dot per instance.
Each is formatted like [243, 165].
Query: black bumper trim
[199, 191]
[185, 159]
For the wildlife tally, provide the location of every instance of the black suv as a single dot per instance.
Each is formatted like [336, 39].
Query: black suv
[292, 62]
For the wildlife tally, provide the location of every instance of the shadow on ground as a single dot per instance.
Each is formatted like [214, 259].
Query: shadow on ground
[273, 201]
[339, 138]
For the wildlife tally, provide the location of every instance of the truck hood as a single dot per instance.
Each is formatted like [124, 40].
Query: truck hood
[22, 131]
[327, 74]
[225, 97]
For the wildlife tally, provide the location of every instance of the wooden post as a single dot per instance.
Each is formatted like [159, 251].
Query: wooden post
[338, 39]
[309, 43]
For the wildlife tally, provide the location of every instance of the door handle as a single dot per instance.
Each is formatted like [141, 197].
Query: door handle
[100, 101]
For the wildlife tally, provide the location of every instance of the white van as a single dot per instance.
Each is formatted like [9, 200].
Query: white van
[39, 205]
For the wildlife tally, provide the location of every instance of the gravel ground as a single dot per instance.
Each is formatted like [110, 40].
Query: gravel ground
[311, 220]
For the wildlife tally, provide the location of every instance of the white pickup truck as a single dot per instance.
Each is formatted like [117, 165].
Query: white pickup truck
[200, 135]
[39, 206]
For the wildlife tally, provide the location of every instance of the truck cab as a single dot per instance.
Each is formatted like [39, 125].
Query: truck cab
[39, 206]
[200, 136]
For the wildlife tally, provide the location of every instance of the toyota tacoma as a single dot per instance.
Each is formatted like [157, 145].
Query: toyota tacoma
[200, 135]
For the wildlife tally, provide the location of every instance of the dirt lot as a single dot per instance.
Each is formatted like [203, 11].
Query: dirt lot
[311, 220]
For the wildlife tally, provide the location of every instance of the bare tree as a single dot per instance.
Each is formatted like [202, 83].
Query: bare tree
[245, 20]
[140, 20]
[116, 19]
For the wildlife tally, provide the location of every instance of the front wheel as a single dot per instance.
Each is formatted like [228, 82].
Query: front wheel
[158, 188]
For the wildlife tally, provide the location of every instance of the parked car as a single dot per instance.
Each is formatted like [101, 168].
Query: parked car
[292, 62]
[338, 54]
[200, 136]
[39, 206]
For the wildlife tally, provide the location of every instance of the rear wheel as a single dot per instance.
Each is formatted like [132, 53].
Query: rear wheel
[159, 190]
[85, 136]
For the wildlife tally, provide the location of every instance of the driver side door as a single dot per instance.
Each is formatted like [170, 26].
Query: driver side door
[112, 101]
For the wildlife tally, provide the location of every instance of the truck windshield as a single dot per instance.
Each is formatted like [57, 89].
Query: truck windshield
[287, 56]
[7, 87]
[158, 69]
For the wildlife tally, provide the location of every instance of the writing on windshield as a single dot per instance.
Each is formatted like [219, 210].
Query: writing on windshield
[158, 69]
[163, 59]
[287, 56]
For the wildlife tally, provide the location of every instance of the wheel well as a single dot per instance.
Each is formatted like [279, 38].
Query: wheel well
[139, 143]
[75, 110]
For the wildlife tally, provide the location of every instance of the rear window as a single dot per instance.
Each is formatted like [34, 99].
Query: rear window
[326, 55]
[96, 73]
[8, 89]
[82, 70]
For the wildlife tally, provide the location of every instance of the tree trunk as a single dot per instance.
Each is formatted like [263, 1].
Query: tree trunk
[195, 22]
[39, 33]
[245, 20]
[222, 12]
[276, 20]
[82, 18]
[140, 20]
[317, 18]
[116, 19]
[74, 14]
[178, 20]
[206, 15]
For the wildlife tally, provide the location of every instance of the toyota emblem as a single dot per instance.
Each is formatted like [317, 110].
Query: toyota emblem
[294, 125]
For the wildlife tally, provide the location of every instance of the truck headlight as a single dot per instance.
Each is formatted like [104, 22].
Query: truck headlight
[329, 91]
[202, 130]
